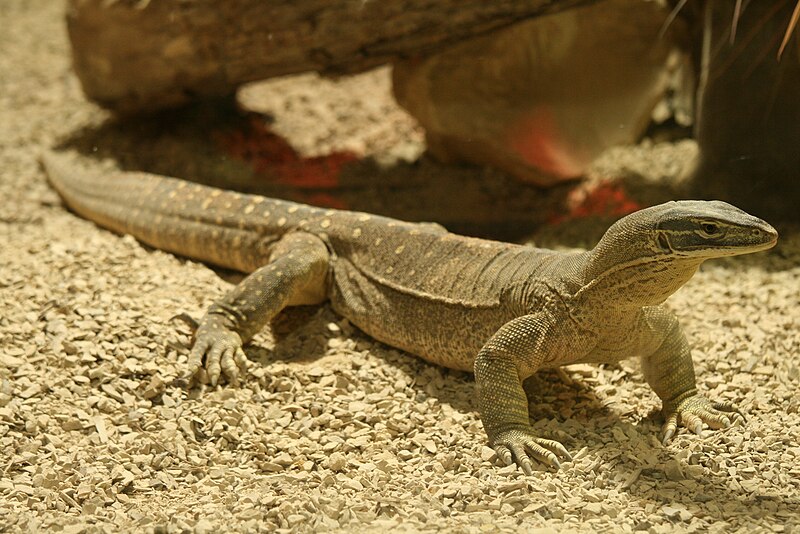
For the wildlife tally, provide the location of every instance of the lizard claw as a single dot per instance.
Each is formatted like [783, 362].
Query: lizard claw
[519, 445]
[695, 410]
[221, 348]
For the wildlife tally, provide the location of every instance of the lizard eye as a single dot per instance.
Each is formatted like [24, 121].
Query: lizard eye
[709, 228]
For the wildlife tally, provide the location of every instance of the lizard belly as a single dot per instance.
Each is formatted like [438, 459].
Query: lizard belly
[444, 333]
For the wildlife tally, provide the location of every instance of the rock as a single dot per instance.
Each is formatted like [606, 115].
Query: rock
[203, 526]
[593, 508]
[673, 470]
[337, 461]
[542, 98]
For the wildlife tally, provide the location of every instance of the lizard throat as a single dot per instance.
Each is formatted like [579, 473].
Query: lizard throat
[645, 283]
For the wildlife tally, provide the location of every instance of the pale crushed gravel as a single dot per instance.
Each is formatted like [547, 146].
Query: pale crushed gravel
[333, 431]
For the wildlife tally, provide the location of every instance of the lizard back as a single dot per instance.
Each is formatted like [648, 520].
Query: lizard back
[427, 261]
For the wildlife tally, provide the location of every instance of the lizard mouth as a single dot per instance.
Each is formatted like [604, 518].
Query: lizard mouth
[736, 250]
[761, 236]
[769, 244]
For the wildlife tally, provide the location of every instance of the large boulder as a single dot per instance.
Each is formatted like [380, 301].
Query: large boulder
[542, 98]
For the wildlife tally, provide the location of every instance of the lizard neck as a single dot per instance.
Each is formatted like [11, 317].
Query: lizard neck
[646, 282]
[631, 268]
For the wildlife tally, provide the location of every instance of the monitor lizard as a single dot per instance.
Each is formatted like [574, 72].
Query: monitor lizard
[499, 310]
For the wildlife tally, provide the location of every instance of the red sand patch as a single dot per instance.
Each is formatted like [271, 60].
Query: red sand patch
[271, 155]
[606, 199]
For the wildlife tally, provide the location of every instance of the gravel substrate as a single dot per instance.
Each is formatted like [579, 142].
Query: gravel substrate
[333, 431]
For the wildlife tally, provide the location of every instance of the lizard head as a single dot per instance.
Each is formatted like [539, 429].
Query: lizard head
[708, 229]
[693, 230]
[649, 254]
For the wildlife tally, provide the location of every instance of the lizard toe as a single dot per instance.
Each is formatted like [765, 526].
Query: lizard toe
[521, 458]
[195, 363]
[714, 418]
[213, 366]
[524, 463]
[730, 410]
[542, 453]
[691, 421]
[228, 364]
[555, 447]
[669, 428]
[241, 360]
[504, 453]
[716, 421]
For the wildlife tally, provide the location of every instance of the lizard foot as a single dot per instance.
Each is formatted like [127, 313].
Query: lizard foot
[518, 445]
[221, 347]
[695, 410]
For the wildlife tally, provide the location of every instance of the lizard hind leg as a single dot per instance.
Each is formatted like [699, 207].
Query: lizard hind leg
[296, 274]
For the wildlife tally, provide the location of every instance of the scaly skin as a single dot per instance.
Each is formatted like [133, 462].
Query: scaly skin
[500, 310]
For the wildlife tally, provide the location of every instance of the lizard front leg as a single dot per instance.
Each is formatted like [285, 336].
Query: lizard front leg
[670, 372]
[296, 274]
[514, 352]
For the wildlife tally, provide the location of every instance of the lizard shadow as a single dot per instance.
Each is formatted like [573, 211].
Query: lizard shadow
[559, 405]
[564, 404]
[216, 143]
[304, 334]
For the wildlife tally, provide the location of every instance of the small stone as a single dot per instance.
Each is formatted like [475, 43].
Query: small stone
[353, 484]
[271, 467]
[508, 487]
[204, 526]
[337, 461]
[154, 388]
[674, 511]
[100, 426]
[249, 513]
[425, 442]
[72, 424]
[283, 459]
[360, 442]
[295, 519]
[673, 470]
[317, 372]
[24, 488]
[89, 508]
[29, 392]
[593, 508]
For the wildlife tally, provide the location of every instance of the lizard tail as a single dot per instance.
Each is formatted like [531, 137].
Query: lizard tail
[90, 195]
[200, 222]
